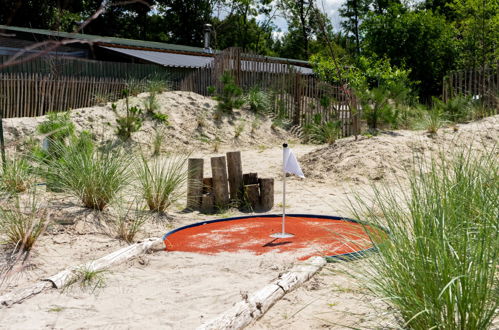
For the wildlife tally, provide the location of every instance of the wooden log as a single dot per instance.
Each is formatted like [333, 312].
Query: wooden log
[252, 195]
[255, 306]
[194, 182]
[207, 203]
[235, 170]
[266, 194]
[62, 278]
[250, 178]
[220, 185]
[207, 185]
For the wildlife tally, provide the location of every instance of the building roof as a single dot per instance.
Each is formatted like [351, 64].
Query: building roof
[123, 43]
[192, 61]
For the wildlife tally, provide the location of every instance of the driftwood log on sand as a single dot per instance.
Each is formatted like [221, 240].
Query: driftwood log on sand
[254, 306]
[60, 279]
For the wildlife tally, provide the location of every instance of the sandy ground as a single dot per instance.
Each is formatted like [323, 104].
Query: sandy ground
[182, 290]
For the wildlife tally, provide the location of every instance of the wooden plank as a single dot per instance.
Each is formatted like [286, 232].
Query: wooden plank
[266, 194]
[220, 184]
[235, 172]
[194, 182]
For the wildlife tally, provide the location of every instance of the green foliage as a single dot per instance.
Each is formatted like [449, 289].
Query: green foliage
[420, 40]
[211, 90]
[239, 129]
[161, 181]
[93, 175]
[57, 127]
[477, 23]
[157, 142]
[319, 131]
[231, 95]
[161, 117]
[21, 225]
[131, 122]
[151, 104]
[258, 100]
[89, 278]
[457, 109]
[434, 121]
[438, 266]
[16, 176]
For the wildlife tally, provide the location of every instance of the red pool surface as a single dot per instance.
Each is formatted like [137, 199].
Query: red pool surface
[313, 236]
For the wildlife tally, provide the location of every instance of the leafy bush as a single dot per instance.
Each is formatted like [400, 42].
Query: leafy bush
[161, 117]
[438, 267]
[16, 175]
[322, 132]
[131, 122]
[457, 109]
[20, 226]
[161, 181]
[93, 175]
[230, 96]
[258, 100]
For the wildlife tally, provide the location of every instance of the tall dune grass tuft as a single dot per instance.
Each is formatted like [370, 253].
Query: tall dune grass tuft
[439, 265]
[161, 181]
[15, 175]
[21, 225]
[93, 175]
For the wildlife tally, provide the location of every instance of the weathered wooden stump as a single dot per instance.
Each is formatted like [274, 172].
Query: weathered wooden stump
[207, 200]
[220, 186]
[194, 182]
[252, 195]
[250, 178]
[266, 194]
[235, 170]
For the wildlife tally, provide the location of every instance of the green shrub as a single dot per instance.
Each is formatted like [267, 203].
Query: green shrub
[161, 117]
[162, 180]
[322, 132]
[57, 127]
[457, 109]
[131, 122]
[16, 175]
[230, 96]
[258, 100]
[93, 175]
[439, 265]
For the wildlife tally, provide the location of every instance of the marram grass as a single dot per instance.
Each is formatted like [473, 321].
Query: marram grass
[439, 266]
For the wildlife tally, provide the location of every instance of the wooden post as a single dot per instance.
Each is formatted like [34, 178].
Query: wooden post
[207, 203]
[235, 170]
[252, 195]
[266, 194]
[194, 183]
[250, 178]
[220, 186]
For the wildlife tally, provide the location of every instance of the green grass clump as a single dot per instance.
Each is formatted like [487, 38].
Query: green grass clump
[56, 128]
[15, 176]
[439, 265]
[162, 180]
[322, 132]
[128, 222]
[258, 100]
[93, 175]
[20, 227]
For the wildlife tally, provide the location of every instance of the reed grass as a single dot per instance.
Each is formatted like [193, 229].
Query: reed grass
[21, 225]
[439, 266]
[129, 221]
[161, 181]
[16, 176]
[93, 175]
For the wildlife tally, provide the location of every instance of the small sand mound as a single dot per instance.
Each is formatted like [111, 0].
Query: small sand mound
[387, 156]
[191, 124]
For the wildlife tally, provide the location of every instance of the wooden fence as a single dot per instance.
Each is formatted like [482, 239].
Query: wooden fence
[30, 95]
[78, 67]
[481, 84]
[297, 96]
